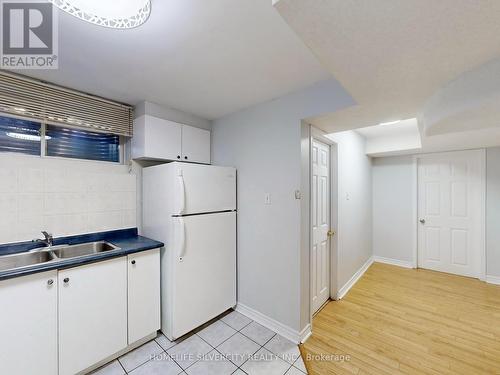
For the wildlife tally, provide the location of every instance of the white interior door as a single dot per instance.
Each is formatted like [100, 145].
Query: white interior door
[450, 209]
[320, 250]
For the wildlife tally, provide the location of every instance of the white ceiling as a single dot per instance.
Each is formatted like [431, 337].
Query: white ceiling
[404, 127]
[392, 55]
[402, 137]
[407, 138]
[208, 58]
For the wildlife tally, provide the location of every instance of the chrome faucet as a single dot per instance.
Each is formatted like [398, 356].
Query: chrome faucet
[48, 241]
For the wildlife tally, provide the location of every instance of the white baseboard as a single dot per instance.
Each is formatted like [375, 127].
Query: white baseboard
[305, 334]
[343, 291]
[394, 262]
[274, 325]
[493, 280]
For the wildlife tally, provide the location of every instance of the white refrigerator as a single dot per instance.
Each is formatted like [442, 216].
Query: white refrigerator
[191, 208]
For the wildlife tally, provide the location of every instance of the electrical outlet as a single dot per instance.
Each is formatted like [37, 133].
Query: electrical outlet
[267, 198]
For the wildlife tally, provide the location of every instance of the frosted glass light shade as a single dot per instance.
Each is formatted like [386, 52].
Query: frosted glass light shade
[122, 14]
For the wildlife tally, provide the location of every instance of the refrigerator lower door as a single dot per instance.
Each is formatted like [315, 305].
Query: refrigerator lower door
[204, 279]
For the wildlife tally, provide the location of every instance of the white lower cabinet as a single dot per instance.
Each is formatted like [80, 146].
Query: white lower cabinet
[28, 325]
[92, 314]
[143, 294]
[64, 322]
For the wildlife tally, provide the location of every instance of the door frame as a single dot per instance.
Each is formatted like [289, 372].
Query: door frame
[481, 154]
[319, 136]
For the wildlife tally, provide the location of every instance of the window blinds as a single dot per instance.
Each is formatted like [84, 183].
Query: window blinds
[73, 143]
[26, 97]
[20, 136]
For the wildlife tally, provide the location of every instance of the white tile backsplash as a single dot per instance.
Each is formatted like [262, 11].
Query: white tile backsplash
[64, 197]
[9, 203]
[8, 180]
[31, 204]
[30, 180]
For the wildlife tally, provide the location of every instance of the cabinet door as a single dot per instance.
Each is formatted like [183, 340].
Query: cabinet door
[92, 314]
[143, 294]
[162, 139]
[28, 325]
[195, 145]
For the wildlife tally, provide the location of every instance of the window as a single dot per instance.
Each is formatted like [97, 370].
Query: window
[81, 144]
[40, 139]
[21, 136]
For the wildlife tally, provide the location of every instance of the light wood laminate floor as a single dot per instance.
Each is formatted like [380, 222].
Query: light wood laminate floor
[405, 321]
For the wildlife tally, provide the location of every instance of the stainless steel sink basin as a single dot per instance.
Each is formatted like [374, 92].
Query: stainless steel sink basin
[83, 249]
[8, 262]
[54, 254]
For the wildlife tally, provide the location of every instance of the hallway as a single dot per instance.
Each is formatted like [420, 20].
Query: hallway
[405, 321]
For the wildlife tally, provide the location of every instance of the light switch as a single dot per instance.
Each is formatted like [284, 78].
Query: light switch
[267, 198]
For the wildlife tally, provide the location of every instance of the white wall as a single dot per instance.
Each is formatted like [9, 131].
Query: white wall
[264, 144]
[63, 197]
[393, 208]
[493, 211]
[394, 217]
[354, 242]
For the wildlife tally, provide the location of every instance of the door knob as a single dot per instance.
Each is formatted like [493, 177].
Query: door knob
[330, 233]
[422, 221]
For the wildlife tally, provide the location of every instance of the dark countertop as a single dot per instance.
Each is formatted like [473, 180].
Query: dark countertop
[127, 240]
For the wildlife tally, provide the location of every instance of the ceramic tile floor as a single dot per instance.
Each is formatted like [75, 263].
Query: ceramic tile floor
[233, 344]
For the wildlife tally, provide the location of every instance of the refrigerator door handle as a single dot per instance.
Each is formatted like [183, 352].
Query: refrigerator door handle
[182, 192]
[182, 239]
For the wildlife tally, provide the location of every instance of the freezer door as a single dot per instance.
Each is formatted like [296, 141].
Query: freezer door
[204, 188]
[204, 280]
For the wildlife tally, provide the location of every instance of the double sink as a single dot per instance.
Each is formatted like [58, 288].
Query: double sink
[53, 254]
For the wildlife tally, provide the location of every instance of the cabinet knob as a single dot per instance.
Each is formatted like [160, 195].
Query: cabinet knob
[133, 262]
[66, 280]
[178, 156]
[50, 282]
[185, 157]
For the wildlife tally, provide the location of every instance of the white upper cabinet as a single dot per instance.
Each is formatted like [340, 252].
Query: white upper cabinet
[158, 139]
[28, 325]
[195, 145]
[155, 138]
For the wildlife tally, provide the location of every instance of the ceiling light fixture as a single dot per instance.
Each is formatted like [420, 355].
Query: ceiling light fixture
[123, 14]
[27, 137]
[390, 122]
